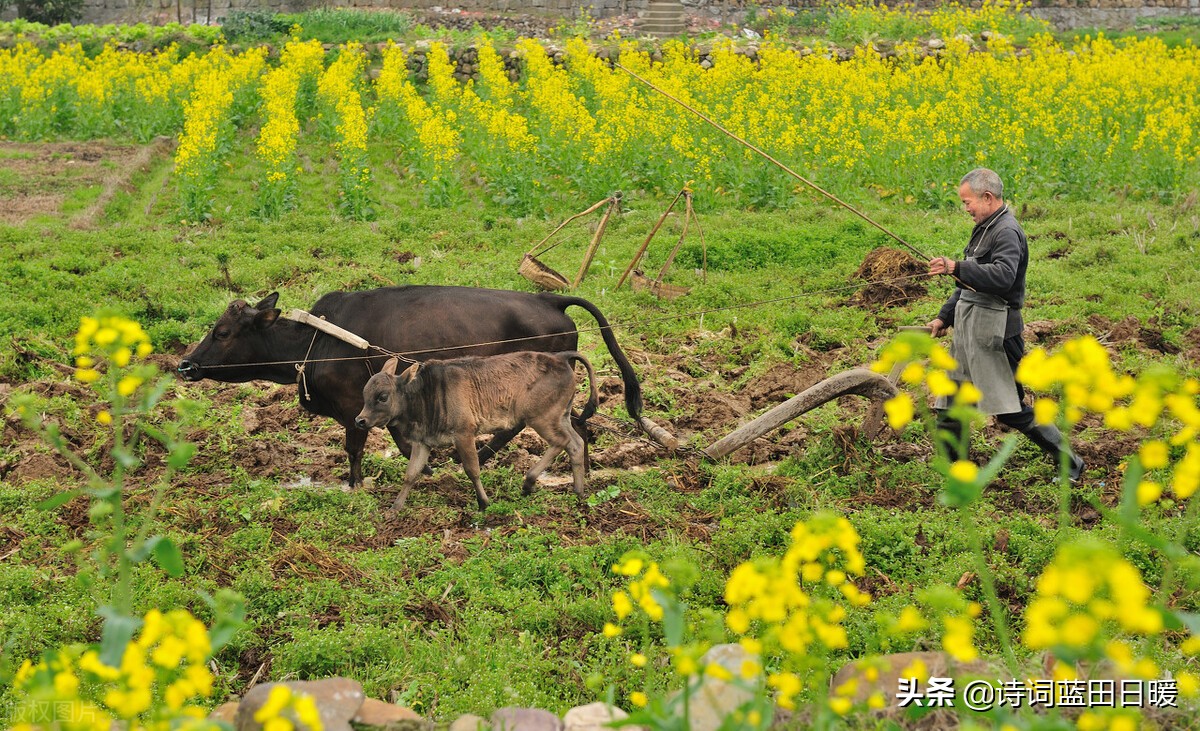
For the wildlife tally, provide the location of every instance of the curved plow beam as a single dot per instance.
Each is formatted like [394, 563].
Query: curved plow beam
[857, 381]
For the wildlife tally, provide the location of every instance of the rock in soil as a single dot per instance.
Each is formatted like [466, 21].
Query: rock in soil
[524, 719]
[338, 700]
[593, 717]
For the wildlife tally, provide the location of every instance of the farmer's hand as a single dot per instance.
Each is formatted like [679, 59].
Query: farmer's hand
[941, 265]
[937, 328]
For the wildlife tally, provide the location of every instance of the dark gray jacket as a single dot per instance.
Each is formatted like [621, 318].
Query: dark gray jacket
[1001, 256]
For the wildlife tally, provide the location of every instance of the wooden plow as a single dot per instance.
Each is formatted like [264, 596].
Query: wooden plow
[657, 286]
[857, 381]
[547, 278]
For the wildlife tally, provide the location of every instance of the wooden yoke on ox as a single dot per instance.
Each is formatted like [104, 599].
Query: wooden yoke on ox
[307, 318]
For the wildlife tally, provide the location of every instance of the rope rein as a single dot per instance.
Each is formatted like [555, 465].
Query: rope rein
[611, 326]
[300, 377]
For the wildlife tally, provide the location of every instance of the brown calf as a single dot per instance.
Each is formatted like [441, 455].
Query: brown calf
[452, 401]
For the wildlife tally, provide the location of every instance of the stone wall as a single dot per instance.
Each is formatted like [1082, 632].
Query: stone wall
[1062, 13]
[1112, 13]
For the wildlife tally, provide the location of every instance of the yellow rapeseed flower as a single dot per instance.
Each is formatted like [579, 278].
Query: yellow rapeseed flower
[1045, 411]
[1188, 684]
[1148, 492]
[968, 394]
[278, 699]
[631, 567]
[964, 471]
[127, 385]
[940, 384]
[1153, 454]
[917, 669]
[622, 605]
[910, 620]
[958, 639]
[899, 410]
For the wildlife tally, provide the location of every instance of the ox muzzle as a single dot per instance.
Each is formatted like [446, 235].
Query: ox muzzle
[190, 370]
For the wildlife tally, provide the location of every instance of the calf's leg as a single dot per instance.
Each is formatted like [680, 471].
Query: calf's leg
[581, 428]
[420, 454]
[553, 449]
[497, 442]
[577, 451]
[465, 443]
[405, 447]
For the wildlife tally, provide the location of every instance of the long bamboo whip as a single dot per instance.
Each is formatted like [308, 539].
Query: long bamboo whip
[783, 167]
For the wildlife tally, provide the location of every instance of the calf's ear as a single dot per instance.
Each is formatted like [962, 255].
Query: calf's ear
[410, 373]
[390, 367]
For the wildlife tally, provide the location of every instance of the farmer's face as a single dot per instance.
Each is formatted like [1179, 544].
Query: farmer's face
[979, 206]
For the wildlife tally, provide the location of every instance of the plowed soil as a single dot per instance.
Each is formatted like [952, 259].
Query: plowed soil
[277, 440]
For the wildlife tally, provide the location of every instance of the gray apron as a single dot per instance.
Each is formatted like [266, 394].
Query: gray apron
[978, 346]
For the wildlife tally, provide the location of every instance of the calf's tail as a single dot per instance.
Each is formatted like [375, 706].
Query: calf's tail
[593, 401]
[633, 388]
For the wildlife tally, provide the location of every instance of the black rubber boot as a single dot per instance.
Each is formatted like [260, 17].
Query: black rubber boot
[1050, 440]
[952, 435]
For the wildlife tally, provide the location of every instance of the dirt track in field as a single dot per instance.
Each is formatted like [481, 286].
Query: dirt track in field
[36, 177]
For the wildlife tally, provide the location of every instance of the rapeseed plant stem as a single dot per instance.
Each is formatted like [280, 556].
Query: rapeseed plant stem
[988, 581]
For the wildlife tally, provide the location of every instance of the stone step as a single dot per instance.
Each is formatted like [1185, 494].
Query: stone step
[672, 9]
[661, 30]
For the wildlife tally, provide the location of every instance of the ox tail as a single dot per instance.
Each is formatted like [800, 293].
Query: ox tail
[633, 387]
[593, 401]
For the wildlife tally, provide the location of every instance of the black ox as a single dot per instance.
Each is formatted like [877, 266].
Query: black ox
[423, 322]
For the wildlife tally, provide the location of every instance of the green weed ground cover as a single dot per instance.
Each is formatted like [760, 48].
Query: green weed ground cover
[449, 610]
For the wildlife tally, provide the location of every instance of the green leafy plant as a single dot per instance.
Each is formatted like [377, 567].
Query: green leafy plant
[253, 25]
[604, 495]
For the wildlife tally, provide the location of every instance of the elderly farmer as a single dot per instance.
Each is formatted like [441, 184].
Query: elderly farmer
[987, 321]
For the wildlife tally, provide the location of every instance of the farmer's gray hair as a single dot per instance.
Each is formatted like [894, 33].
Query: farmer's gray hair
[982, 180]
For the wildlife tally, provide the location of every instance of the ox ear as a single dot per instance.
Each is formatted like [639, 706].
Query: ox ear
[268, 302]
[265, 318]
[390, 367]
[266, 312]
[410, 373]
